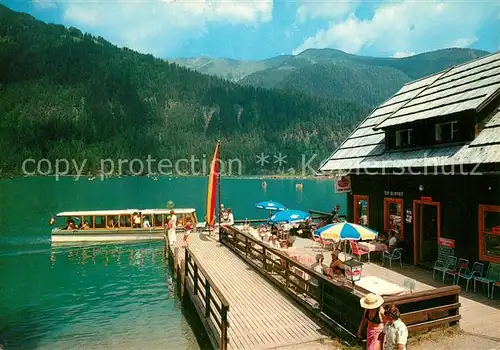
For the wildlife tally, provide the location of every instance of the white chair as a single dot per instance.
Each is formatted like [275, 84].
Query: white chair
[396, 254]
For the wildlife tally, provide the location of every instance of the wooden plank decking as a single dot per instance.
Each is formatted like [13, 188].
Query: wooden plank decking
[260, 315]
[480, 315]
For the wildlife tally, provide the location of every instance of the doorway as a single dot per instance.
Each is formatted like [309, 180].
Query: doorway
[393, 216]
[426, 231]
[361, 210]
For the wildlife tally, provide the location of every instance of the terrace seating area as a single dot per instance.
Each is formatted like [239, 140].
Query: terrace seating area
[459, 268]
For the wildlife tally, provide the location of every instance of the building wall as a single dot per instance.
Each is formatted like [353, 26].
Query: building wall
[459, 198]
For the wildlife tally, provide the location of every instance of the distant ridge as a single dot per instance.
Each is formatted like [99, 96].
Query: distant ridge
[331, 73]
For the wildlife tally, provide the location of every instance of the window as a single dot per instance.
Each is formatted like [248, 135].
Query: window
[489, 233]
[158, 220]
[447, 131]
[100, 222]
[393, 216]
[404, 137]
[361, 210]
[125, 221]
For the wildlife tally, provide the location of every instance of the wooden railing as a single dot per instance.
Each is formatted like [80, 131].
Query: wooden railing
[334, 301]
[328, 299]
[428, 309]
[210, 303]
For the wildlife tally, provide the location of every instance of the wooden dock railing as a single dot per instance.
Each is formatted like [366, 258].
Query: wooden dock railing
[424, 310]
[209, 302]
[333, 301]
[329, 300]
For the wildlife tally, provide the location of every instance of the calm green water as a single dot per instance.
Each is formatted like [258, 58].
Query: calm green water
[114, 296]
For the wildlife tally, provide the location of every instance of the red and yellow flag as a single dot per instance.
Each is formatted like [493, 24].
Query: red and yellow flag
[212, 188]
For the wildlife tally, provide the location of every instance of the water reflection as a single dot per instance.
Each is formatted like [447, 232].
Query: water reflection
[106, 255]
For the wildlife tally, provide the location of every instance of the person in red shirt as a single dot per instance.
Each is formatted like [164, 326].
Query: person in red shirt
[187, 230]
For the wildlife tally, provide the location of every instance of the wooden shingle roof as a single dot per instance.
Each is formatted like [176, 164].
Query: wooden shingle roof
[468, 87]
[462, 88]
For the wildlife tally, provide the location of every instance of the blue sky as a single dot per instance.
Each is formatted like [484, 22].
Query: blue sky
[258, 29]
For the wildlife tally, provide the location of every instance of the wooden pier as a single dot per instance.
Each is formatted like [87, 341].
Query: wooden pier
[258, 317]
[246, 300]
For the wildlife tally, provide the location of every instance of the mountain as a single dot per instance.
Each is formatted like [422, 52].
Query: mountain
[226, 68]
[331, 73]
[69, 95]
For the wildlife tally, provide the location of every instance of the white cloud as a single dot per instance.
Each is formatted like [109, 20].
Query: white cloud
[406, 26]
[402, 54]
[324, 9]
[158, 26]
[45, 4]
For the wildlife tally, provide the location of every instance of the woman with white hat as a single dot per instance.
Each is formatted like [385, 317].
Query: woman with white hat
[373, 319]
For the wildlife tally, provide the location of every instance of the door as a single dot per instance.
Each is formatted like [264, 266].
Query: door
[427, 230]
[361, 210]
[393, 216]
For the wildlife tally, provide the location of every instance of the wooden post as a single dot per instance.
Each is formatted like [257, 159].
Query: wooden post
[246, 246]
[455, 312]
[182, 275]
[175, 259]
[322, 292]
[207, 298]
[287, 274]
[186, 269]
[264, 261]
[195, 279]
[223, 330]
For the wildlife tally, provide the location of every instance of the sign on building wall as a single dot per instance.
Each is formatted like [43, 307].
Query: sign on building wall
[445, 242]
[393, 193]
[409, 216]
[343, 184]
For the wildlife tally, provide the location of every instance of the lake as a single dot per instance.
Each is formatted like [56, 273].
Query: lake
[111, 296]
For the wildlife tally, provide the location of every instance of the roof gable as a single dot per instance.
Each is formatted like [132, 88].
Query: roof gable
[466, 87]
[470, 86]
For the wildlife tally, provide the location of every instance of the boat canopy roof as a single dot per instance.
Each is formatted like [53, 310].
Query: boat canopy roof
[124, 212]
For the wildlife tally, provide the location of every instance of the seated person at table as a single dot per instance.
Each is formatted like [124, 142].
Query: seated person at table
[336, 267]
[289, 248]
[382, 238]
[393, 241]
[318, 265]
[273, 242]
[274, 230]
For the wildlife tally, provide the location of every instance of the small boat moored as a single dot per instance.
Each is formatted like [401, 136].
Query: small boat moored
[118, 225]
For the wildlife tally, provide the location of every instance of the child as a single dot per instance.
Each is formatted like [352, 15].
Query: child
[187, 230]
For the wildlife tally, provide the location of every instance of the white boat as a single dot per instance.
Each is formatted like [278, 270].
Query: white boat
[118, 225]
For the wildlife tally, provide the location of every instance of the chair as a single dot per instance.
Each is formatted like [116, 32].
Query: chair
[444, 265]
[463, 265]
[356, 251]
[492, 276]
[477, 271]
[325, 243]
[396, 254]
[316, 240]
[496, 284]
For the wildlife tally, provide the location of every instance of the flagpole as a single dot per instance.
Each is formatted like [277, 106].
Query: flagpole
[218, 192]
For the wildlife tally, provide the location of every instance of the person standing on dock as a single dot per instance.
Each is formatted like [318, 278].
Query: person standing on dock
[187, 230]
[172, 224]
[395, 333]
[373, 320]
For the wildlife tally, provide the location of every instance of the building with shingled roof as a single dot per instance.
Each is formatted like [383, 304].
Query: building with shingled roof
[426, 164]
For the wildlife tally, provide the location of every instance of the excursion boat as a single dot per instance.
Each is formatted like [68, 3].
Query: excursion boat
[118, 225]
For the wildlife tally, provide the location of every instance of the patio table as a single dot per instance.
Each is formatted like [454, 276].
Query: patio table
[372, 247]
[379, 286]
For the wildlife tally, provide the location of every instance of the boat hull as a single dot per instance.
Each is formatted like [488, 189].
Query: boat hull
[113, 235]
[64, 236]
